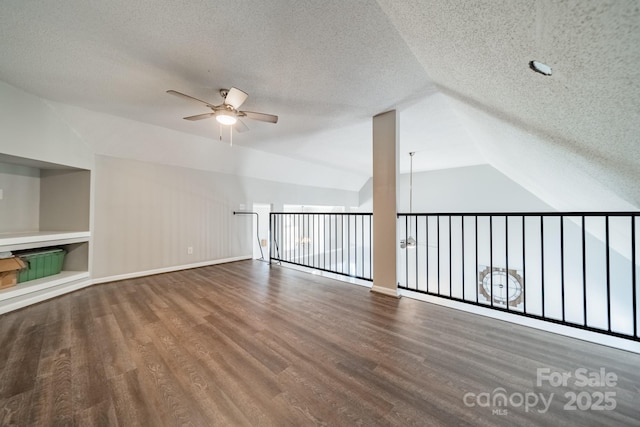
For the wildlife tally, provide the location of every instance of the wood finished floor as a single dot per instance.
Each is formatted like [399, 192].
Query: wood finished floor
[245, 344]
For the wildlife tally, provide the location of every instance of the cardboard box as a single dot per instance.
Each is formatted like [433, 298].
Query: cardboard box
[8, 271]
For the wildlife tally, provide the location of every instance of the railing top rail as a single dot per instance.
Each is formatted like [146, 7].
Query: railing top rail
[519, 214]
[322, 213]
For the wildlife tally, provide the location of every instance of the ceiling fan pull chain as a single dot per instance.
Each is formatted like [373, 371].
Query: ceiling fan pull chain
[230, 136]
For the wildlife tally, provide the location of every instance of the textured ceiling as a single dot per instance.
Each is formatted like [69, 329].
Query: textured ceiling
[326, 67]
[477, 52]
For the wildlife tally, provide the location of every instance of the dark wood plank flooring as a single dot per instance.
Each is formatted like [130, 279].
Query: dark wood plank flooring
[244, 344]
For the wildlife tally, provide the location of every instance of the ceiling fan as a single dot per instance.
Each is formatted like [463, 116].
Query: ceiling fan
[227, 113]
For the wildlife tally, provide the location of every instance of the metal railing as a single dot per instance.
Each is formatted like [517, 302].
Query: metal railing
[574, 269]
[339, 243]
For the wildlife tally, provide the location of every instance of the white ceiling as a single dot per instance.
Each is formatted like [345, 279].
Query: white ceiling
[326, 67]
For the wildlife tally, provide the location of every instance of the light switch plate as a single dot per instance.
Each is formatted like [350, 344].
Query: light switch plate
[1, 194]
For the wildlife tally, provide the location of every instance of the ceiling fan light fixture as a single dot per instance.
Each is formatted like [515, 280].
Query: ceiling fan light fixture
[226, 118]
[227, 113]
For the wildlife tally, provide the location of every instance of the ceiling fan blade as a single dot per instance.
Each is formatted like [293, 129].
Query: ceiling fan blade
[182, 95]
[235, 97]
[200, 116]
[270, 118]
[240, 126]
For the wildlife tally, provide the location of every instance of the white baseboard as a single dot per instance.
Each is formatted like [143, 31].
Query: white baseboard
[168, 269]
[27, 299]
[42, 295]
[386, 291]
[594, 337]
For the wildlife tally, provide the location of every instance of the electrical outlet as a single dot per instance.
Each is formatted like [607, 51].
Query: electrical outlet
[190, 250]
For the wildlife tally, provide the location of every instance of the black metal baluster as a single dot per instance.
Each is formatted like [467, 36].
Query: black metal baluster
[330, 235]
[270, 237]
[524, 263]
[370, 246]
[506, 256]
[633, 276]
[406, 251]
[438, 252]
[463, 248]
[335, 268]
[300, 229]
[328, 242]
[347, 218]
[562, 264]
[349, 243]
[450, 271]
[322, 244]
[559, 276]
[417, 240]
[427, 249]
[280, 235]
[584, 271]
[477, 278]
[491, 257]
[342, 216]
[606, 218]
[362, 237]
[355, 244]
[542, 261]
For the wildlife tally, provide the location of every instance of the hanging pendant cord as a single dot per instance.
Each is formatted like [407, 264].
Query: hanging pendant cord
[411, 182]
[411, 190]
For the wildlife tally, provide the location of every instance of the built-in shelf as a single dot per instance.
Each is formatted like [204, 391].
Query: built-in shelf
[43, 197]
[39, 239]
[40, 284]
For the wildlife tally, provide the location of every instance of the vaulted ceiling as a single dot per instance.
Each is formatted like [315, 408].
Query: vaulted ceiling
[458, 73]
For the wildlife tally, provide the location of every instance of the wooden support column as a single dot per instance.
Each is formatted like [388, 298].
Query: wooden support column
[385, 174]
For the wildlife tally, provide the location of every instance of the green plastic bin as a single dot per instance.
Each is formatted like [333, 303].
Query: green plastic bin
[40, 264]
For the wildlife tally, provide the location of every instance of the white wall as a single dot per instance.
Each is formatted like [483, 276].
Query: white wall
[30, 127]
[147, 215]
[480, 188]
[365, 197]
[119, 137]
[20, 203]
